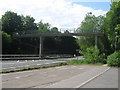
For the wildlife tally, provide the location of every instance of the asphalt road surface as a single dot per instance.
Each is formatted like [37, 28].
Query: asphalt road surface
[111, 76]
[70, 76]
[8, 65]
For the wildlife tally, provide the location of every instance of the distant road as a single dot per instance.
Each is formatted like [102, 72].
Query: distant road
[9, 65]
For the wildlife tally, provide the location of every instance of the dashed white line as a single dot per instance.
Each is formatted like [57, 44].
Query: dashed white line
[54, 62]
[17, 77]
[47, 63]
[27, 65]
[80, 68]
[12, 67]
[39, 64]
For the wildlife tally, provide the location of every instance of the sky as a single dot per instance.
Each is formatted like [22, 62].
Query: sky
[58, 13]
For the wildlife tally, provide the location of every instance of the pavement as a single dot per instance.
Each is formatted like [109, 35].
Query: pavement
[70, 76]
[17, 64]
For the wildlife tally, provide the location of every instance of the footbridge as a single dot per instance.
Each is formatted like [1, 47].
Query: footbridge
[60, 32]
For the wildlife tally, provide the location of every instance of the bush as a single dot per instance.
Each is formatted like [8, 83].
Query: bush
[92, 56]
[113, 60]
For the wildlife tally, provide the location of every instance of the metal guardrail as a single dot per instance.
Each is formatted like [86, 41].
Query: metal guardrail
[32, 57]
[18, 55]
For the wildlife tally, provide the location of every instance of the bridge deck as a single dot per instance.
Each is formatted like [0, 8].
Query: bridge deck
[59, 34]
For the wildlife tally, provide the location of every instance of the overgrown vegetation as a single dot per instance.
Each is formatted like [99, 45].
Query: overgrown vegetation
[92, 55]
[82, 62]
[114, 59]
[109, 25]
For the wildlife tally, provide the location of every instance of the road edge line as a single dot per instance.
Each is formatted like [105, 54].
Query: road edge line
[92, 78]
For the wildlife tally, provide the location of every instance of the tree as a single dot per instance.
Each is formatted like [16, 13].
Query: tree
[91, 24]
[54, 30]
[113, 20]
[43, 27]
[0, 24]
[29, 23]
[11, 22]
[6, 41]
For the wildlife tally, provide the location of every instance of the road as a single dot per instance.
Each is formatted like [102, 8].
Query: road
[8, 65]
[71, 76]
[111, 76]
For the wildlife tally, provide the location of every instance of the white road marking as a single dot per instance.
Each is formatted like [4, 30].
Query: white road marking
[49, 68]
[80, 68]
[27, 65]
[17, 77]
[47, 63]
[12, 67]
[62, 68]
[54, 62]
[57, 67]
[92, 78]
[39, 64]
[14, 63]
[44, 72]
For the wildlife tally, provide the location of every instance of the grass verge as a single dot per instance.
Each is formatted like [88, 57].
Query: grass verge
[82, 62]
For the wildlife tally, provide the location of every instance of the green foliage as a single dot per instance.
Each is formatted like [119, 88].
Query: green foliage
[81, 62]
[11, 22]
[0, 24]
[54, 30]
[62, 64]
[92, 55]
[113, 60]
[6, 37]
[113, 21]
[6, 41]
[43, 27]
[28, 23]
[91, 24]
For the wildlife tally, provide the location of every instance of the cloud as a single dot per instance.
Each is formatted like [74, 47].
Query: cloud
[59, 13]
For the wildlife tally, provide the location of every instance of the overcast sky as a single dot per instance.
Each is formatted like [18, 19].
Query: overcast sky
[59, 13]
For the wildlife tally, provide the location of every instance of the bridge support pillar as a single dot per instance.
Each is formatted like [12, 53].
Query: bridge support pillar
[40, 48]
[96, 41]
